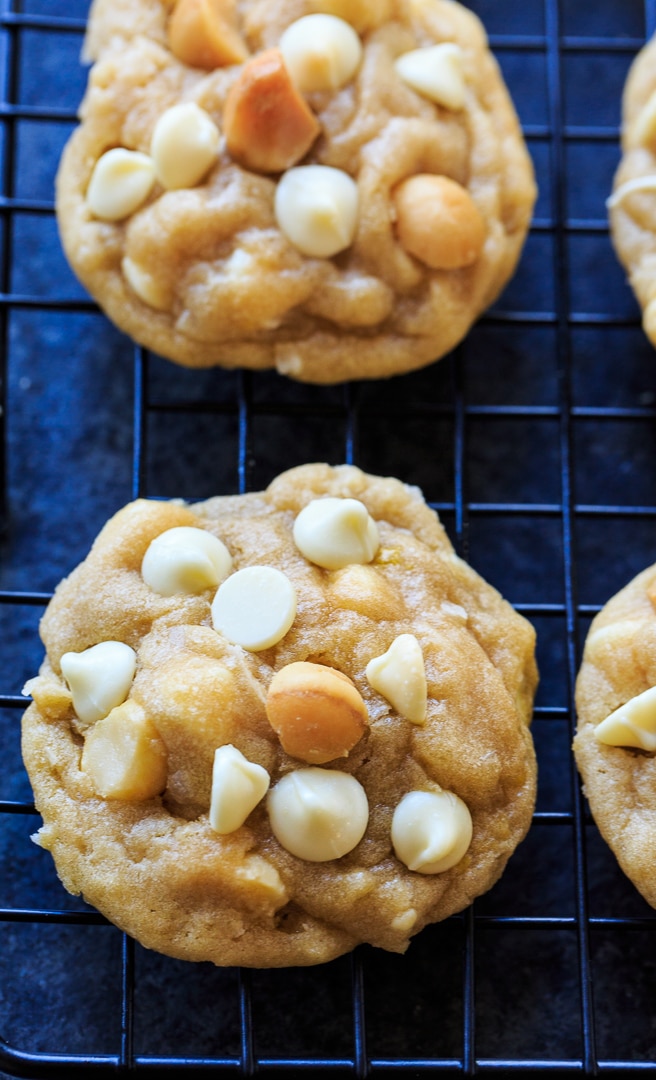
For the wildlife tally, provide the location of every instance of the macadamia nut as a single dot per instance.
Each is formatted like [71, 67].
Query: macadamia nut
[431, 831]
[99, 678]
[318, 814]
[185, 560]
[317, 712]
[400, 677]
[438, 222]
[203, 34]
[120, 183]
[334, 532]
[322, 52]
[238, 785]
[124, 756]
[633, 724]
[255, 607]
[184, 146]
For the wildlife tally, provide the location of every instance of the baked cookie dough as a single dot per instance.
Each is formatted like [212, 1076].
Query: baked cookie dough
[615, 742]
[632, 205]
[275, 725]
[333, 188]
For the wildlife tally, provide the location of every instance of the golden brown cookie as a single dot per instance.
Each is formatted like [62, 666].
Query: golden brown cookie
[616, 734]
[236, 192]
[632, 205]
[331, 747]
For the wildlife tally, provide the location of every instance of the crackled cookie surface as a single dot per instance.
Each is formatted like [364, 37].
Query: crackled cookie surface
[632, 205]
[615, 744]
[336, 190]
[271, 726]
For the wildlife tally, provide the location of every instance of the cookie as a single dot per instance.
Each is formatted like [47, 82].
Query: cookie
[615, 741]
[632, 205]
[268, 185]
[271, 726]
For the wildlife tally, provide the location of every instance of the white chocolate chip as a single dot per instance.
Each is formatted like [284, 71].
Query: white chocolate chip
[255, 607]
[431, 831]
[238, 785]
[124, 756]
[644, 128]
[399, 675]
[318, 814]
[184, 146]
[631, 187]
[321, 52]
[316, 207]
[121, 181]
[334, 533]
[404, 922]
[146, 287]
[633, 724]
[185, 560]
[435, 72]
[99, 678]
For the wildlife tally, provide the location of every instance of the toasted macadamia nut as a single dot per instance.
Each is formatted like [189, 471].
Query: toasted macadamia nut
[255, 607]
[238, 785]
[267, 124]
[99, 678]
[334, 532]
[317, 712]
[633, 724]
[184, 146]
[644, 125]
[120, 183]
[631, 187]
[185, 560]
[316, 207]
[202, 33]
[438, 222]
[322, 52]
[124, 756]
[144, 285]
[318, 814]
[399, 675]
[436, 73]
[431, 831]
[361, 14]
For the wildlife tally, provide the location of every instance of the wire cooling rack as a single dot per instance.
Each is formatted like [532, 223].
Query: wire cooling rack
[535, 442]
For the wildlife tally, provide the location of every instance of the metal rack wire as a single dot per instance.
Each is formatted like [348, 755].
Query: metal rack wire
[534, 442]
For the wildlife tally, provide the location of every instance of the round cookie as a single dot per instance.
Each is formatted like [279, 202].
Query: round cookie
[615, 741]
[245, 258]
[262, 803]
[632, 205]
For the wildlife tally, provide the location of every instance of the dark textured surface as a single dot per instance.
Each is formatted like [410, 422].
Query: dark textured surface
[536, 442]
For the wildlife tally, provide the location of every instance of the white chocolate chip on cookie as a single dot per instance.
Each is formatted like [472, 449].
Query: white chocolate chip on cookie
[334, 533]
[120, 183]
[255, 607]
[322, 52]
[99, 678]
[431, 831]
[399, 675]
[185, 560]
[144, 285]
[124, 756]
[637, 185]
[238, 785]
[316, 711]
[318, 814]
[633, 724]
[436, 73]
[184, 146]
[316, 207]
